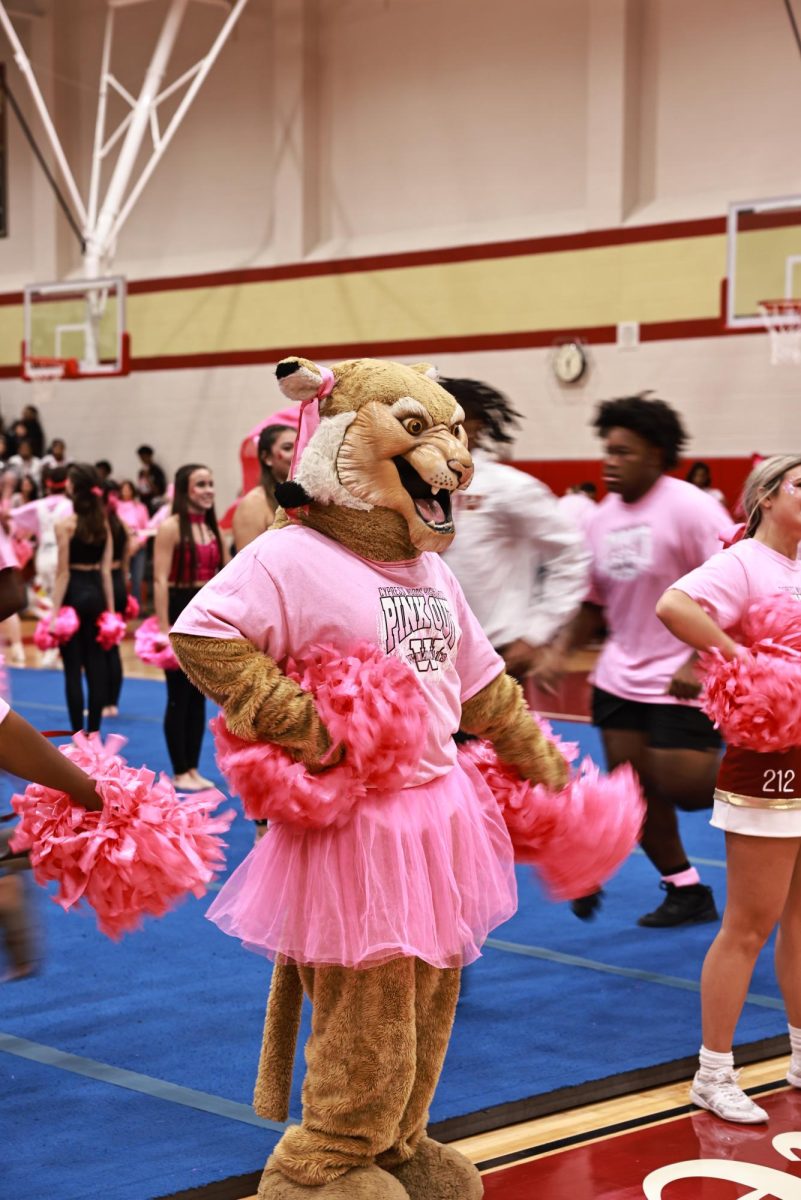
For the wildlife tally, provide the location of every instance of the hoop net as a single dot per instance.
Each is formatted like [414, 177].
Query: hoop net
[782, 320]
[40, 367]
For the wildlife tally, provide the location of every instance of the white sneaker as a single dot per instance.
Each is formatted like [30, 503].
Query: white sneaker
[794, 1072]
[720, 1093]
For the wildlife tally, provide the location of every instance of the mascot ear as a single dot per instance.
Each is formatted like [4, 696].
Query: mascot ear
[300, 378]
[426, 369]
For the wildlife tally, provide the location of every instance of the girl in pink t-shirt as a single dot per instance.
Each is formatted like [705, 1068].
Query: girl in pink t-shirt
[758, 795]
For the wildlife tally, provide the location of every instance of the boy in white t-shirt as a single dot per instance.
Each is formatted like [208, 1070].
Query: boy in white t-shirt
[647, 532]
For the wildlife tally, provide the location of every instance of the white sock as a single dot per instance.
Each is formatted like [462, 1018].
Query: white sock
[711, 1061]
[795, 1042]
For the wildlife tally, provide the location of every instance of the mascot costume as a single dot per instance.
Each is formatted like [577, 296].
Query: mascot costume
[368, 896]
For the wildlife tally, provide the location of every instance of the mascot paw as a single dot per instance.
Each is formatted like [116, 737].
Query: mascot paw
[362, 1183]
[439, 1173]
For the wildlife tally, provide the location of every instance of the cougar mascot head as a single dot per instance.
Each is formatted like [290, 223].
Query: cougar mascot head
[371, 914]
[387, 441]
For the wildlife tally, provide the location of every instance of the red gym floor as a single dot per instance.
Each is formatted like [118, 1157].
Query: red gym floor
[693, 1156]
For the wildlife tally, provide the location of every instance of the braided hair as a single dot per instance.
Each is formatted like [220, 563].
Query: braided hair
[485, 404]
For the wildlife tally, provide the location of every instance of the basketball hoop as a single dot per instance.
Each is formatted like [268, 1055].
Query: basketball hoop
[36, 367]
[782, 320]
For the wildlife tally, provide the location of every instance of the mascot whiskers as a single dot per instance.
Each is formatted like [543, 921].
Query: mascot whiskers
[369, 894]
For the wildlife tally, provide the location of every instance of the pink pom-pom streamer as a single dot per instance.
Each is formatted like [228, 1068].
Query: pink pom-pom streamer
[150, 646]
[145, 851]
[370, 703]
[775, 619]
[65, 626]
[755, 699]
[110, 629]
[569, 750]
[131, 607]
[575, 838]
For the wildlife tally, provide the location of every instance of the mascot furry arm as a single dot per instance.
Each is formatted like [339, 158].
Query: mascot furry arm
[259, 702]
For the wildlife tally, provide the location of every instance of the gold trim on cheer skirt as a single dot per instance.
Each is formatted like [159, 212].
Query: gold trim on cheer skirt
[777, 803]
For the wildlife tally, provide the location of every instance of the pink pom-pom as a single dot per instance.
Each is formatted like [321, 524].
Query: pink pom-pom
[153, 648]
[755, 699]
[575, 838]
[775, 619]
[145, 851]
[110, 629]
[65, 626]
[42, 637]
[569, 750]
[368, 702]
[131, 607]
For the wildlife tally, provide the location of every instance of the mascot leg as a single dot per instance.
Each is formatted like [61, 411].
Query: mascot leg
[360, 1073]
[428, 1170]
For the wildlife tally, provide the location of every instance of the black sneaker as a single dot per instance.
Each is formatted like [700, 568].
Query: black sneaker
[586, 907]
[682, 906]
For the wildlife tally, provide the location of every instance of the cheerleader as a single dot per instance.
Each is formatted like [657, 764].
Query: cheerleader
[256, 511]
[758, 795]
[83, 581]
[188, 552]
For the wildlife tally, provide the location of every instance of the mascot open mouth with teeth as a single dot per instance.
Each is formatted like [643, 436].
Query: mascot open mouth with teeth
[368, 900]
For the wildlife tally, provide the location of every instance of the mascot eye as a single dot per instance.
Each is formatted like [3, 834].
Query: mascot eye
[413, 425]
[457, 430]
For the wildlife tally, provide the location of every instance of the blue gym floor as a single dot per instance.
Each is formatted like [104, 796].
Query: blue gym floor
[126, 1069]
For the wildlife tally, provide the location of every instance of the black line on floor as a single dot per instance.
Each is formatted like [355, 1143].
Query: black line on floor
[641, 1079]
[591, 1135]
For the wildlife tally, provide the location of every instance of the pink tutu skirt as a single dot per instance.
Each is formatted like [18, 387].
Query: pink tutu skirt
[425, 872]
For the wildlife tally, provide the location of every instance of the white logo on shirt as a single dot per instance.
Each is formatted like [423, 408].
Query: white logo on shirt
[417, 626]
[626, 553]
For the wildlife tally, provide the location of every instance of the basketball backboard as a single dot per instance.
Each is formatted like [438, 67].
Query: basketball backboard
[75, 329]
[763, 259]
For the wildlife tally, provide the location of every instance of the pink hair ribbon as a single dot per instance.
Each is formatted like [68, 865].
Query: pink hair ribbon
[96, 491]
[310, 416]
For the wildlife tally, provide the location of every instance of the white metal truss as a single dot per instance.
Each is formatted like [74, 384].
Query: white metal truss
[101, 219]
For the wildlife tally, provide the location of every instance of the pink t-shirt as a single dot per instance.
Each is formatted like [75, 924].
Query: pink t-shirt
[26, 520]
[638, 550]
[8, 556]
[292, 588]
[133, 513]
[733, 579]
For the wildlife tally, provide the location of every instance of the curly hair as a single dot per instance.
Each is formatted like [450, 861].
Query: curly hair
[487, 405]
[653, 420]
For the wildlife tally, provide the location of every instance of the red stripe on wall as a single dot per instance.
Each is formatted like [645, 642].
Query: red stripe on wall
[403, 348]
[728, 474]
[587, 240]
[524, 340]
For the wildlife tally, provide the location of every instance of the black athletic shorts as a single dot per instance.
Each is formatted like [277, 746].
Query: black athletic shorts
[668, 726]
